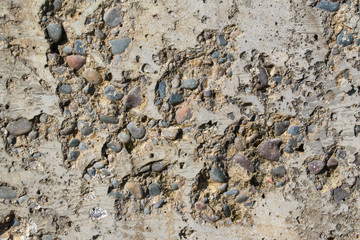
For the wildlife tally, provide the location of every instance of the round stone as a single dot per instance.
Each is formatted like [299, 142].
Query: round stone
[92, 76]
[190, 84]
[65, 89]
[279, 171]
[241, 198]
[135, 190]
[294, 130]
[332, 163]
[136, 132]
[57, 5]
[55, 32]
[67, 50]
[115, 147]
[19, 127]
[73, 155]
[75, 61]
[123, 137]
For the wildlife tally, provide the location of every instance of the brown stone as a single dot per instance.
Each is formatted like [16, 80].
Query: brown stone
[182, 114]
[133, 99]
[244, 162]
[270, 149]
[135, 190]
[75, 61]
[92, 76]
[332, 163]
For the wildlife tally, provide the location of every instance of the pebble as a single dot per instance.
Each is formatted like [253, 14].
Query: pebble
[7, 193]
[263, 77]
[170, 133]
[92, 76]
[280, 184]
[67, 50]
[158, 166]
[226, 210]
[241, 198]
[133, 98]
[281, 127]
[210, 219]
[319, 187]
[115, 147]
[33, 134]
[278, 79]
[22, 199]
[316, 166]
[221, 40]
[99, 165]
[270, 149]
[85, 128]
[222, 188]
[288, 149]
[111, 93]
[215, 54]
[112, 17]
[175, 99]
[67, 130]
[175, 83]
[311, 128]
[57, 5]
[294, 130]
[91, 172]
[244, 162]
[117, 194]
[200, 206]
[75, 61]
[147, 211]
[345, 38]
[332, 163]
[164, 124]
[43, 118]
[356, 130]
[162, 89]
[98, 213]
[119, 46]
[232, 192]
[207, 93]
[174, 186]
[154, 189]
[159, 204]
[222, 60]
[55, 32]
[190, 84]
[19, 127]
[135, 190]
[340, 194]
[279, 171]
[217, 175]
[123, 137]
[152, 123]
[182, 115]
[65, 89]
[328, 5]
[136, 132]
[73, 155]
[99, 33]
[78, 46]
[108, 119]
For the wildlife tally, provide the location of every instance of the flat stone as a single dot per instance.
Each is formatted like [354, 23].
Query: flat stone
[75, 61]
[328, 5]
[316, 166]
[79, 47]
[67, 50]
[67, 130]
[117, 194]
[279, 171]
[162, 89]
[294, 130]
[119, 46]
[270, 149]
[65, 89]
[108, 119]
[332, 163]
[133, 98]
[241, 198]
[74, 142]
[112, 17]
[263, 77]
[210, 219]
[182, 115]
[215, 54]
[158, 166]
[170, 133]
[7, 193]
[124, 137]
[92, 76]
[288, 149]
[244, 162]
[136, 132]
[226, 210]
[99, 33]
[99, 165]
[19, 127]
[217, 175]
[73, 155]
[190, 84]
[147, 211]
[345, 38]
[175, 99]
[135, 190]
[55, 32]
[221, 40]
[232, 192]
[340, 194]
[281, 127]
[111, 93]
[115, 147]
[154, 189]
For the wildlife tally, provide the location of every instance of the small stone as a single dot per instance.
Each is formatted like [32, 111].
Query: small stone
[222, 60]
[117, 194]
[22, 199]
[78, 46]
[73, 155]
[280, 184]
[345, 38]
[190, 84]
[136, 132]
[115, 147]
[119, 46]
[75, 61]
[215, 54]
[222, 188]
[108, 119]
[182, 115]
[315, 167]
[55, 32]
[226, 210]
[7, 193]
[43, 118]
[270, 149]
[200, 206]
[175, 83]
[67, 130]
[19, 127]
[328, 5]
[232, 192]
[175, 99]
[210, 219]
[263, 77]
[92, 76]
[112, 17]
[170, 133]
[294, 130]
[33, 135]
[278, 79]
[288, 149]
[83, 146]
[221, 40]
[133, 98]
[147, 211]
[111, 93]
[85, 128]
[340, 194]
[162, 89]
[154, 189]
[74, 142]
[152, 123]
[279, 171]
[356, 130]
[47, 237]
[174, 187]
[65, 89]
[332, 163]
[207, 93]
[99, 33]
[158, 166]
[123, 137]
[217, 175]
[99, 165]
[281, 127]
[67, 50]
[57, 5]
[311, 128]
[135, 190]
[244, 162]
[159, 204]
[319, 187]
[241, 198]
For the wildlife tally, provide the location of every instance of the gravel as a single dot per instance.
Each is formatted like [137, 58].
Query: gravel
[19, 127]
[55, 32]
[190, 84]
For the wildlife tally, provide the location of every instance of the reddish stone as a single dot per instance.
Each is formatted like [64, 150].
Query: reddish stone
[75, 61]
[182, 114]
[270, 149]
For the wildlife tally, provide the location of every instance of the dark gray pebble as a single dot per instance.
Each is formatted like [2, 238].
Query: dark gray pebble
[316, 166]
[345, 38]
[328, 5]
[162, 89]
[226, 210]
[232, 192]
[154, 189]
[117, 194]
[288, 149]
[221, 40]
[294, 130]
[73, 155]
[332, 163]
[281, 127]
[175, 99]
[279, 171]
[79, 47]
[115, 147]
[263, 77]
[241, 198]
[158, 166]
[215, 54]
[57, 5]
[217, 175]
[55, 31]
[340, 194]
[74, 142]
[174, 187]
